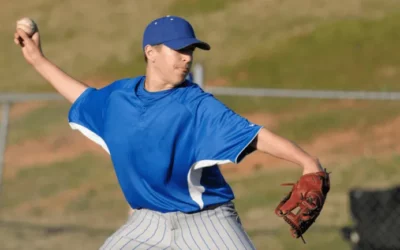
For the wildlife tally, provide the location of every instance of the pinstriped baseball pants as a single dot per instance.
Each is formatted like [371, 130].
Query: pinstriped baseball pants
[217, 228]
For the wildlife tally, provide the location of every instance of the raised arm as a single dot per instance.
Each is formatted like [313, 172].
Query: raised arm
[31, 49]
[277, 146]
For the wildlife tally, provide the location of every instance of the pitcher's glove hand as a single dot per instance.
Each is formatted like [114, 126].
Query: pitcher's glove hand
[307, 197]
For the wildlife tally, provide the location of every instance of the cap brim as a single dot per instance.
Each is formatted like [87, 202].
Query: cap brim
[185, 42]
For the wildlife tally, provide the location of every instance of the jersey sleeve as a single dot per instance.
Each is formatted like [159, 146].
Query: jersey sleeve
[86, 113]
[222, 136]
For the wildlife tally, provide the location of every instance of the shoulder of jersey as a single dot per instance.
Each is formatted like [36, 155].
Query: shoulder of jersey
[191, 95]
[125, 83]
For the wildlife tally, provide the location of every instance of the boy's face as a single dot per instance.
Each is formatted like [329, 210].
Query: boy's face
[172, 66]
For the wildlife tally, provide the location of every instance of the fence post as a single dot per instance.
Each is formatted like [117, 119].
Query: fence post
[3, 136]
[198, 74]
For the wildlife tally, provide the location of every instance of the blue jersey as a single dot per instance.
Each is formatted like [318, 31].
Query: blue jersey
[190, 77]
[165, 146]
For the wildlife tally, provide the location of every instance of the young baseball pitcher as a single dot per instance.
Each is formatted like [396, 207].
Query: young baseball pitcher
[167, 138]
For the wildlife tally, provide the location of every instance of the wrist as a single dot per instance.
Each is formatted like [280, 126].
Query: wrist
[312, 166]
[39, 61]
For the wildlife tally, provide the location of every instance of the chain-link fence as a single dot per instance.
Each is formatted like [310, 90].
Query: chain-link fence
[376, 217]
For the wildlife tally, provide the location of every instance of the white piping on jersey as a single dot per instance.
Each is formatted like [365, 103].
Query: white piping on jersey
[196, 190]
[236, 158]
[90, 134]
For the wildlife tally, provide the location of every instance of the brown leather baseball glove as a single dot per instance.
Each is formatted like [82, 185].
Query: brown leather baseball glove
[301, 207]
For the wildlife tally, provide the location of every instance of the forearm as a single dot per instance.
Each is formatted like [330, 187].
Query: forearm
[67, 86]
[282, 148]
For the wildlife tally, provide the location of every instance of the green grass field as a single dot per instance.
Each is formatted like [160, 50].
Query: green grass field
[74, 202]
[339, 55]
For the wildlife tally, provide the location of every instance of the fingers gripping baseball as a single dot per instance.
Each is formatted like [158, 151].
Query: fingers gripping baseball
[27, 36]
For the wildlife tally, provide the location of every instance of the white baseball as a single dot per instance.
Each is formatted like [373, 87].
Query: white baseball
[27, 25]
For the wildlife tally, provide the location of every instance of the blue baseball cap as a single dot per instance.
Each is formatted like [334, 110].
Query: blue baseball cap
[172, 31]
